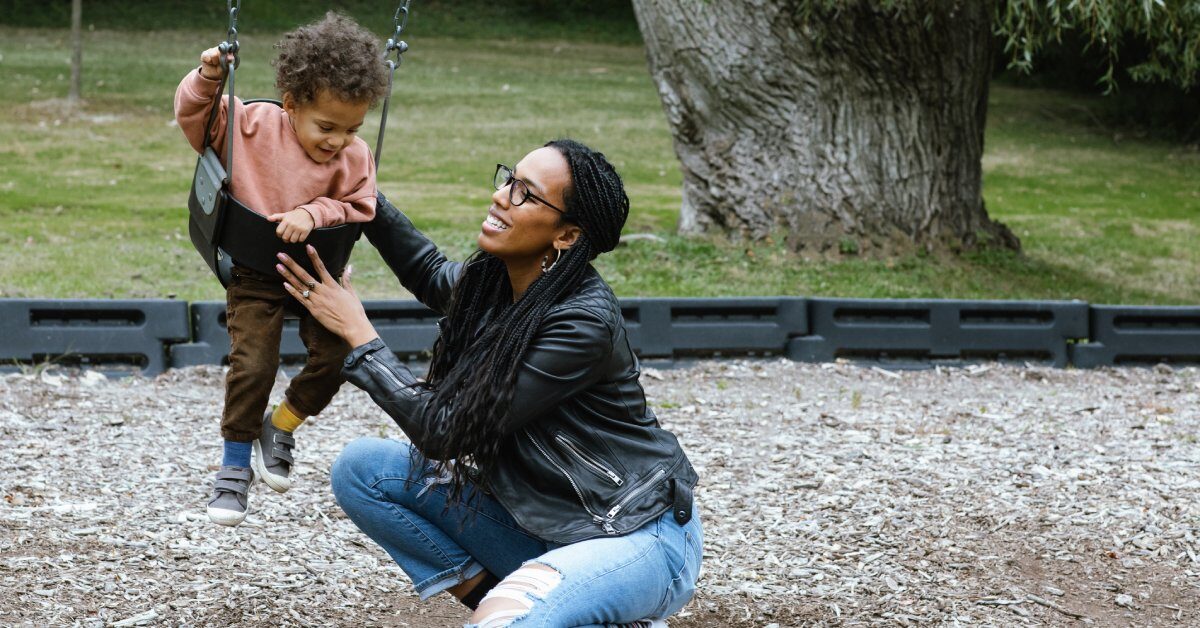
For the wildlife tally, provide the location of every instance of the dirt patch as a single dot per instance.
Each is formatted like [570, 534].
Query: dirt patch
[831, 494]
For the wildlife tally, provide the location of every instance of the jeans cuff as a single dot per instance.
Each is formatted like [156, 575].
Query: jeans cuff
[448, 579]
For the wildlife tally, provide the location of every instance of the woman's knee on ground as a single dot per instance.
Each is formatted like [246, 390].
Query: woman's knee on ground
[515, 596]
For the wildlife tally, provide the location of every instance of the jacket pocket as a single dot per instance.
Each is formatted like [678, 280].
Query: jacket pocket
[575, 486]
[638, 491]
[587, 460]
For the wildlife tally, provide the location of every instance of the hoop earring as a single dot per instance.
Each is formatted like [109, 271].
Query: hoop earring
[546, 269]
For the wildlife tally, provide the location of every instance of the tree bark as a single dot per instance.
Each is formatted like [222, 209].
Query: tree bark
[856, 131]
[76, 51]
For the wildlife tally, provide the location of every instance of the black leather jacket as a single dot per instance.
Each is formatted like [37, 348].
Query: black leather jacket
[583, 456]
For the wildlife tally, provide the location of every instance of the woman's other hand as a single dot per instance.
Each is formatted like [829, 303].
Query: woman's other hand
[335, 305]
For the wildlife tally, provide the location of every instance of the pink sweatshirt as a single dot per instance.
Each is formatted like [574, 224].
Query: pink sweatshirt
[271, 172]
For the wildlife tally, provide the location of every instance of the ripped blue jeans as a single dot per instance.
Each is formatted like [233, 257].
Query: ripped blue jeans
[647, 574]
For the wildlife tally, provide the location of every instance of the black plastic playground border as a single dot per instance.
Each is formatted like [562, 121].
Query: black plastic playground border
[148, 336]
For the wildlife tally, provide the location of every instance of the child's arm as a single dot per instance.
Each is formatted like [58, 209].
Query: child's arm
[357, 204]
[357, 207]
[294, 226]
[193, 100]
[352, 197]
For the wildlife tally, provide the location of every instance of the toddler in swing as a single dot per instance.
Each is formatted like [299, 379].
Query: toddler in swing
[304, 167]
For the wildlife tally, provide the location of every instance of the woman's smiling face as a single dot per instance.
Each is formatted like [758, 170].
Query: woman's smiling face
[528, 231]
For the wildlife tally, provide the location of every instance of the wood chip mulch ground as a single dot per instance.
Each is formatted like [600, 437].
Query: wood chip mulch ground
[832, 494]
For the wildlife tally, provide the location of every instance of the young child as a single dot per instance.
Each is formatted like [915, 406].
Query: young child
[304, 167]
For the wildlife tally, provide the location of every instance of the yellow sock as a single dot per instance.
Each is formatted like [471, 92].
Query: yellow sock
[285, 418]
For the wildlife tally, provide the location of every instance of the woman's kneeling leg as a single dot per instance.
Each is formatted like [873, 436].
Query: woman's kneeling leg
[401, 506]
[649, 573]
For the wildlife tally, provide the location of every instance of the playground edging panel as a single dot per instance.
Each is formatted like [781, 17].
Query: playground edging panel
[147, 336]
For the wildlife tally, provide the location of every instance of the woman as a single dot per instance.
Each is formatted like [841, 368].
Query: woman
[539, 488]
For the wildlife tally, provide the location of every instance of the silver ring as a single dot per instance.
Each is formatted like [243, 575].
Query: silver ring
[304, 294]
[311, 285]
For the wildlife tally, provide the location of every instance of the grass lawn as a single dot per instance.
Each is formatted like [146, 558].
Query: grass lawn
[93, 203]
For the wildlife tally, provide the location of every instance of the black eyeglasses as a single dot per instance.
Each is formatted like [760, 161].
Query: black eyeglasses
[519, 192]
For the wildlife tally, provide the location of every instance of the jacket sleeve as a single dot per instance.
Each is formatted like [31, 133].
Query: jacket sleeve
[565, 358]
[422, 269]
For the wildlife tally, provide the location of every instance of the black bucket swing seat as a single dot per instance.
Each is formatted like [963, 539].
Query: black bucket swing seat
[224, 230]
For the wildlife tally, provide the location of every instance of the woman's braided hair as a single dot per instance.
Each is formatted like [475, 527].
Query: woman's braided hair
[473, 374]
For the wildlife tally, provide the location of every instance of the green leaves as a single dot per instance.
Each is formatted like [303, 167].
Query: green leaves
[1170, 28]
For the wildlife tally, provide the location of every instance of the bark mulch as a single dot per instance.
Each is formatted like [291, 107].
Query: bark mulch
[831, 494]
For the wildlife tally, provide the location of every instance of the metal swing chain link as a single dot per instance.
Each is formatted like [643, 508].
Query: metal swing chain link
[230, 46]
[399, 47]
[226, 48]
[399, 21]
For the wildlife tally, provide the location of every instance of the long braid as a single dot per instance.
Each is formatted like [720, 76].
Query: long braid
[472, 373]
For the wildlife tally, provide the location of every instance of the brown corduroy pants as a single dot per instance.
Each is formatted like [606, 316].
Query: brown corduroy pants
[255, 307]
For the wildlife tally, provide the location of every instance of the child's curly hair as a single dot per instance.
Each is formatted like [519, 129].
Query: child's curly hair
[334, 54]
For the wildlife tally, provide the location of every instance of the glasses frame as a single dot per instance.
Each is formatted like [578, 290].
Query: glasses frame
[512, 181]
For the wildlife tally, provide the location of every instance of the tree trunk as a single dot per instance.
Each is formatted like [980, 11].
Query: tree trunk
[855, 131]
[76, 51]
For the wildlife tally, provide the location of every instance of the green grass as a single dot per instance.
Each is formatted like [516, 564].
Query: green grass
[610, 21]
[94, 203]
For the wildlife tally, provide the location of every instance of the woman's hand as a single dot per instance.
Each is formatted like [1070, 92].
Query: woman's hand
[334, 305]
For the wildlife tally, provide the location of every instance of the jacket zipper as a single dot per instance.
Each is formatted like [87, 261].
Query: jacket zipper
[588, 460]
[631, 495]
[382, 369]
[606, 525]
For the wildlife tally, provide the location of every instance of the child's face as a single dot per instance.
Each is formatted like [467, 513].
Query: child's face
[326, 125]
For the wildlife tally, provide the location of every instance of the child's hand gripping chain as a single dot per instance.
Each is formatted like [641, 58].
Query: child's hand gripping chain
[210, 64]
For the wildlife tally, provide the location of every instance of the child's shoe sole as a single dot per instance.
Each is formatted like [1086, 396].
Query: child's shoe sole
[278, 483]
[225, 517]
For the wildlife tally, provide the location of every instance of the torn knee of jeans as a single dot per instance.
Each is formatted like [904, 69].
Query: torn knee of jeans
[532, 580]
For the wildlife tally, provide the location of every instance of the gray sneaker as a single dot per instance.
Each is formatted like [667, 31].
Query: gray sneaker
[231, 492]
[272, 459]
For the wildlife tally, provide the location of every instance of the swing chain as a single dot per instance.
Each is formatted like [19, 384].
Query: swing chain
[230, 46]
[394, 43]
